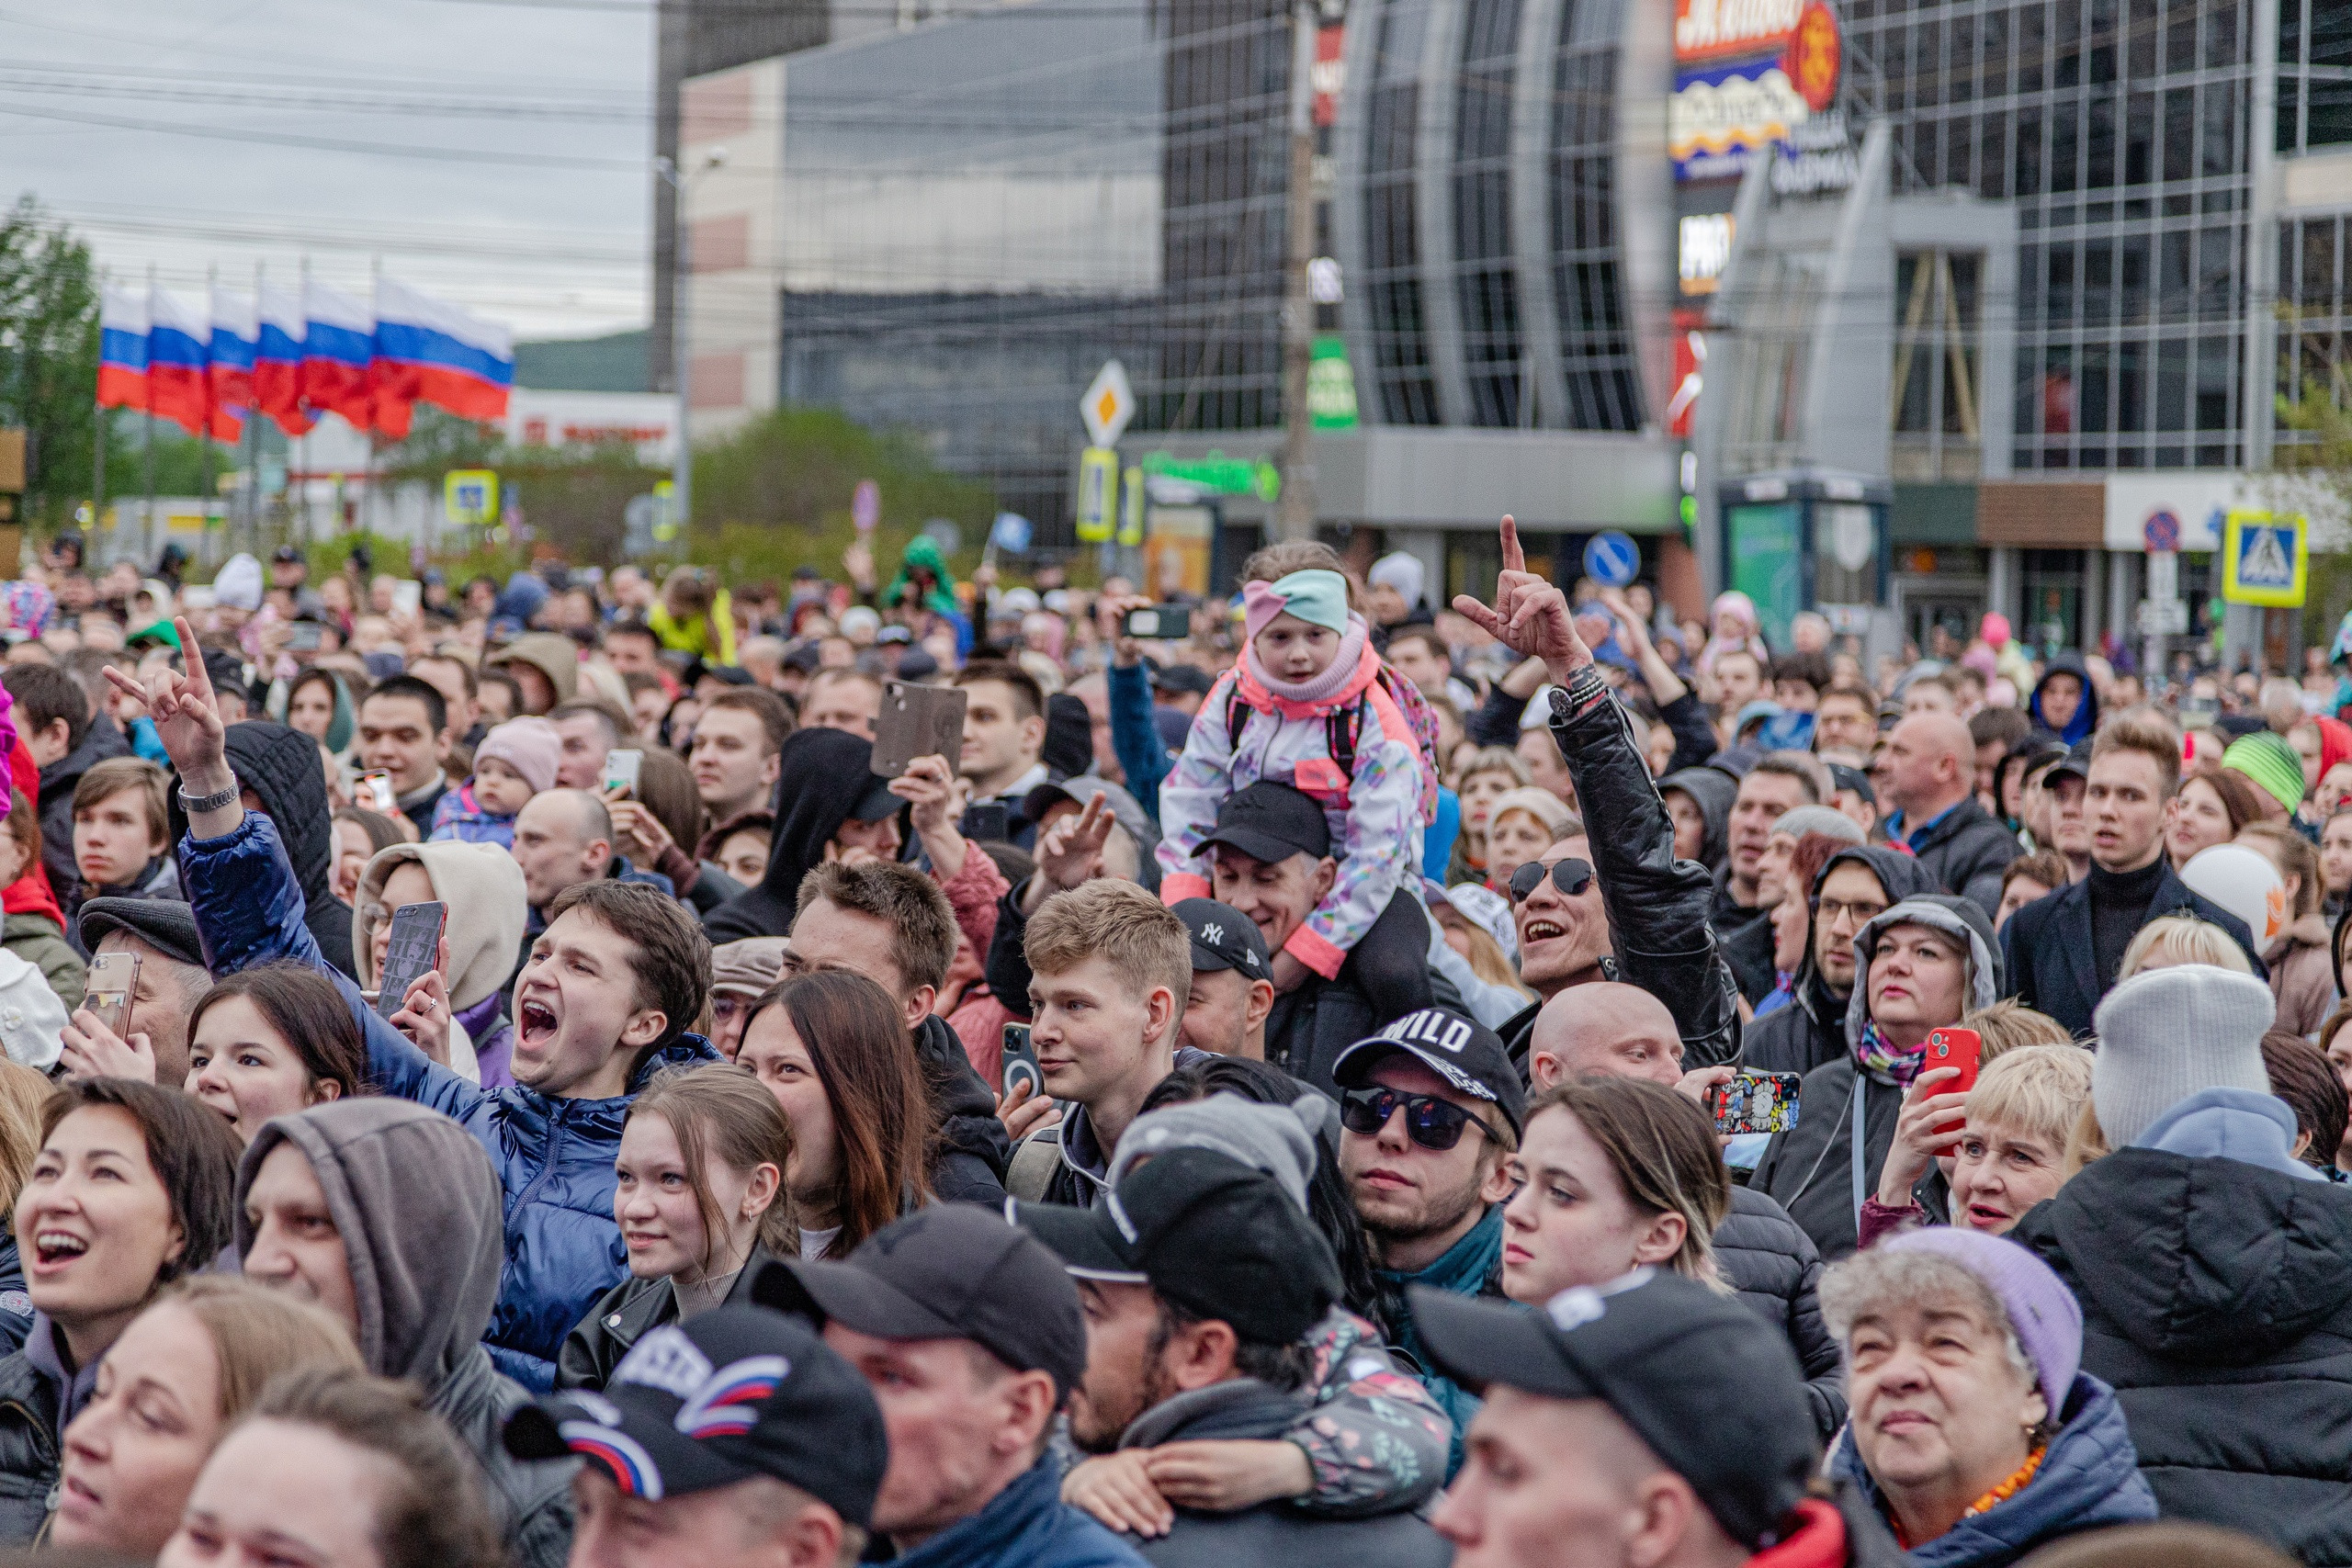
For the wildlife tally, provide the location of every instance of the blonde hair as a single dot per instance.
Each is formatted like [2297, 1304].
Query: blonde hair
[2087, 1142]
[23, 1093]
[1142, 940]
[258, 1333]
[1485, 957]
[2294, 855]
[1551, 813]
[2041, 1090]
[2148, 732]
[2010, 1025]
[2182, 938]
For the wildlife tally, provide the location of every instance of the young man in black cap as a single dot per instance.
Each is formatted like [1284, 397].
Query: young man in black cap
[1198, 1283]
[1233, 989]
[1652, 1424]
[969, 1333]
[1429, 1115]
[733, 1440]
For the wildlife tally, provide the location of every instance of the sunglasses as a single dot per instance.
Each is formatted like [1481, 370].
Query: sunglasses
[1571, 876]
[1430, 1122]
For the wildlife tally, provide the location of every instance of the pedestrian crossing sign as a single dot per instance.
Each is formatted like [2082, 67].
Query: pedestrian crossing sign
[2264, 559]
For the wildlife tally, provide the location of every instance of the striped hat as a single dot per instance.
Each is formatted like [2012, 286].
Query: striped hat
[2270, 761]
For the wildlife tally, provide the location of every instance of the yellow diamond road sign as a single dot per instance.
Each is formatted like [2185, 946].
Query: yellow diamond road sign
[1108, 404]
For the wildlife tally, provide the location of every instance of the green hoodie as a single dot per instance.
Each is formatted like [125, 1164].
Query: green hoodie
[923, 553]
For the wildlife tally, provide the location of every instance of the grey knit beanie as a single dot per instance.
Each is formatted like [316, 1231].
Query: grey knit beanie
[2167, 1034]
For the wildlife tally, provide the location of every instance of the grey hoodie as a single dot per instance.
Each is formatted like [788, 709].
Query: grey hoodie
[417, 1205]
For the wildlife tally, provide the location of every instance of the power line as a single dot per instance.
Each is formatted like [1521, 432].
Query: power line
[334, 144]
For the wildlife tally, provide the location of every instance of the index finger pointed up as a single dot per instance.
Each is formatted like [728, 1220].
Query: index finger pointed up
[1514, 559]
[199, 679]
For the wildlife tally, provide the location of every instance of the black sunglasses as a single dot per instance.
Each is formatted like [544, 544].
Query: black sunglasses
[1430, 1122]
[1571, 876]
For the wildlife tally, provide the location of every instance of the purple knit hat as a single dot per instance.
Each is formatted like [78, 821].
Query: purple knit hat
[2043, 1312]
[529, 746]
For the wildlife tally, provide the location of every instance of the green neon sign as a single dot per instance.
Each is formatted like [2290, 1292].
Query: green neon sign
[1218, 473]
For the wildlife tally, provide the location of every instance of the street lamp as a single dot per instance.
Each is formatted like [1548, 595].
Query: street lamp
[682, 265]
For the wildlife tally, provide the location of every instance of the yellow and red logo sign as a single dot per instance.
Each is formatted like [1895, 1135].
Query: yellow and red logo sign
[1814, 55]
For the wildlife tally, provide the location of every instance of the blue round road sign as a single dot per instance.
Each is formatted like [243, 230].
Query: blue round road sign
[2161, 532]
[1612, 559]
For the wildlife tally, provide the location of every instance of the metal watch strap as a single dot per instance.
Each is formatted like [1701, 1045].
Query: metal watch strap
[216, 801]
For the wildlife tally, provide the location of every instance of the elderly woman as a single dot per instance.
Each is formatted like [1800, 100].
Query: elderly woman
[1975, 1433]
[2007, 1153]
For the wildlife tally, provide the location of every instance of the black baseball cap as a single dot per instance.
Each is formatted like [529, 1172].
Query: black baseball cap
[1187, 678]
[225, 670]
[1210, 1235]
[737, 1393]
[950, 1272]
[2077, 763]
[1225, 938]
[1709, 1385]
[1842, 776]
[1461, 1050]
[1271, 822]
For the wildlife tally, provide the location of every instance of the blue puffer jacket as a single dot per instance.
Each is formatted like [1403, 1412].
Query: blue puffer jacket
[554, 1156]
[2089, 1479]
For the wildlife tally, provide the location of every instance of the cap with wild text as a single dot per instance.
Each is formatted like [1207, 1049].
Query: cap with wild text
[1462, 1051]
[739, 1391]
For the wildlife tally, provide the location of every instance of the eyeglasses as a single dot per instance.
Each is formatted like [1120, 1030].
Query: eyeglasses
[1861, 913]
[1430, 1122]
[725, 1005]
[1571, 876]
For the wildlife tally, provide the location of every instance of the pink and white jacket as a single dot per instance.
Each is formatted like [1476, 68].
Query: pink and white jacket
[1376, 817]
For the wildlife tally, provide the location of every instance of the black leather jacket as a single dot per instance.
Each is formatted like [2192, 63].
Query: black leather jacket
[1657, 905]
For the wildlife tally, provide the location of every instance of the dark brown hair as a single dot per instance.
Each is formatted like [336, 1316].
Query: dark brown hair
[2302, 1075]
[309, 1014]
[431, 1512]
[24, 826]
[921, 921]
[665, 786]
[2237, 795]
[670, 957]
[882, 1117]
[776, 719]
[190, 1147]
[381, 834]
[723, 1112]
[2046, 866]
[115, 776]
[1029, 698]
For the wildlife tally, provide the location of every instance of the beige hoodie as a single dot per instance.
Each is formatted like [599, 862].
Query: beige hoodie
[483, 887]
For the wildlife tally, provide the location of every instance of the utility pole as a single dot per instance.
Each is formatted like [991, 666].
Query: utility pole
[682, 464]
[1294, 512]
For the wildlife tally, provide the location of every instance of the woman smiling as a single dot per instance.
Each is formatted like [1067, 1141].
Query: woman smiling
[1975, 1432]
[272, 1039]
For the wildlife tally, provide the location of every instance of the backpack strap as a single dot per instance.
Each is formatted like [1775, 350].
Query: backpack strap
[1031, 1170]
[1340, 738]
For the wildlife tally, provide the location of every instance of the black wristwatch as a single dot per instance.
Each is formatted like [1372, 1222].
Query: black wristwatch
[218, 800]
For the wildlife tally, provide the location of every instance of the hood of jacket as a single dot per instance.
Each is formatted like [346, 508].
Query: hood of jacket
[281, 767]
[2085, 718]
[1712, 790]
[553, 654]
[822, 775]
[967, 1110]
[2231, 1123]
[923, 554]
[1960, 919]
[488, 907]
[2089, 1477]
[2205, 1260]
[416, 1203]
[1900, 876]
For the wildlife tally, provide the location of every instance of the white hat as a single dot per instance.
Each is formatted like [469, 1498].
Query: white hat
[237, 584]
[2243, 882]
[2167, 1034]
[32, 1020]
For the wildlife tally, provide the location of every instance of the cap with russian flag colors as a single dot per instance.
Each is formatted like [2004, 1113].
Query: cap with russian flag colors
[122, 348]
[736, 1393]
[278, 360]
[338, 341]
[180, 349]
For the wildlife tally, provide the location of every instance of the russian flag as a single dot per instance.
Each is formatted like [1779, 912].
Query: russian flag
[278, 361]
[178, 350]
[429, 351]
[236, 334]
[338, 341]
[122, 349]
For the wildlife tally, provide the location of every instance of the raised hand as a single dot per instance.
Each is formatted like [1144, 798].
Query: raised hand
[930, 784]
[1071, 851]
[186, 714]
[1530, 617]
[94, 1050]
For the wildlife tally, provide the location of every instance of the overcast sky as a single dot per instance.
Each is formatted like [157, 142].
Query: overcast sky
[531, 207]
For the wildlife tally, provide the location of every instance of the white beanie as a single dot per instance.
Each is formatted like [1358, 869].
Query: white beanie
[1401, 571]
[2167, 1034]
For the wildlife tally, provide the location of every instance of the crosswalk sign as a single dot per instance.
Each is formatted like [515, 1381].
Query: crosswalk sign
[2264, 559]
[1098, 494]
[469, 497]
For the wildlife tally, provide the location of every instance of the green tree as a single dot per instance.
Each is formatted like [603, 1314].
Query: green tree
[2313, 458]
[49, 357]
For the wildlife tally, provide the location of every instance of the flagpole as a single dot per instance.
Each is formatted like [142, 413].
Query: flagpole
[147, 449]
[375, 289]
[212, 307]
[249, 443]
[301, 522]
[102, 425]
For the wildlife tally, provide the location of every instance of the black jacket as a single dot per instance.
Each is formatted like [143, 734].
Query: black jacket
[1271, 1532]
[281, 767]
[2047, 956]
[1811, 1029]
[2217, 1301]
[1966, 854]
[29, 1450]
[626, 1314]
[1776, 1270]
[968, 1163]
[1695, 737]
[824, 773]
[1744, 936]
[101, 740]
[1311, 1025]
[1809, 1169]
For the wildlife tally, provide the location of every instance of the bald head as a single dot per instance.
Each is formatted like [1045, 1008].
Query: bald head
[1931, 765]
[1605, 1027]
[561, 837]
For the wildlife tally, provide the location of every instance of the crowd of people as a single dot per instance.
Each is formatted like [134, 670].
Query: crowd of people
[1280, 1091]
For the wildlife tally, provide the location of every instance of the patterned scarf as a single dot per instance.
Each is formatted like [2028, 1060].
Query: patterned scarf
[1873, 1053]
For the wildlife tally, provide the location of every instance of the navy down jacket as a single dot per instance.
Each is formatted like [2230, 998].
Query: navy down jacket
[554, 1157]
